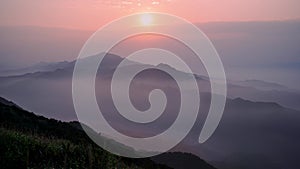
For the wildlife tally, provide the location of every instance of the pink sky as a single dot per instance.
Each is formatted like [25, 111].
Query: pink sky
[91, 14]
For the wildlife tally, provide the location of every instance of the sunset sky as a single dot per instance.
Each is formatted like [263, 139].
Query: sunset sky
[254, 38]
[90, 14]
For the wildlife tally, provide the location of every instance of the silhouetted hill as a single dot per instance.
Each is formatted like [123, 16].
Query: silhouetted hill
[6, 102]
[31, 141]
[179, 160]
[57, 84]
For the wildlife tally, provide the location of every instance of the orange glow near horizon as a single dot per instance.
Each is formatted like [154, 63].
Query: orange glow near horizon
[92, 14]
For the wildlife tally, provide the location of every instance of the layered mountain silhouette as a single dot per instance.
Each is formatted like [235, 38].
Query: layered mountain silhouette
[254, 90]
[39, 142]
[253, 135]
[187, 160]
[39, 67]
[258, 129]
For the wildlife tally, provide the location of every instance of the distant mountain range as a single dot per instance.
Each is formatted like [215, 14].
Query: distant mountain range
[29, 137]
[254, 90]
[252, 135]
[259, 128]
[261, 85]
[40, 67]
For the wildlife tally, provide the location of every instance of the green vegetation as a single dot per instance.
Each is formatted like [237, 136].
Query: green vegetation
[30, 141]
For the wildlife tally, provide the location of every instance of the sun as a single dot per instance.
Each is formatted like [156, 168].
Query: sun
[146, 19]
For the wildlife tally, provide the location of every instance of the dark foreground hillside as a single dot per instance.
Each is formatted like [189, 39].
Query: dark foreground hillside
[31, 141]
[181, 161]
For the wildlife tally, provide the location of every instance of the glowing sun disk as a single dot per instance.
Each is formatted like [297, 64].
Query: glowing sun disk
[146, 19]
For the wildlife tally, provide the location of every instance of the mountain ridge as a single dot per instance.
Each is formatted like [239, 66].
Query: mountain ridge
[14, 120]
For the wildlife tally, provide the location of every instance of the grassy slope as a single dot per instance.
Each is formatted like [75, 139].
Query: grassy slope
[30, 141]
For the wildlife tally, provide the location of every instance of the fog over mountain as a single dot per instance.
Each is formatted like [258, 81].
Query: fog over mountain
[260, 126]
[39, 85]
[254, 134]
[265, 51]
[39, 67]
